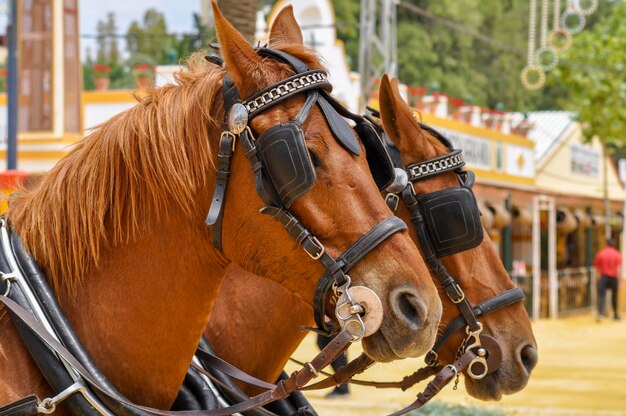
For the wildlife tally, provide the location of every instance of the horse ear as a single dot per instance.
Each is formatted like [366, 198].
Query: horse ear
[241, 60]
[285, 29]
[398, 119]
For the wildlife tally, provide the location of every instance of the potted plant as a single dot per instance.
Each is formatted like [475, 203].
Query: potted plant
[3, 79]
[102, 76]
[144, 75]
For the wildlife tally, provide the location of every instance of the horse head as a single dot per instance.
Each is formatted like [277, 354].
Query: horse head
[478, 271]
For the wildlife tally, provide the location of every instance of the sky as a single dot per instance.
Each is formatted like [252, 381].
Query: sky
[178, 15]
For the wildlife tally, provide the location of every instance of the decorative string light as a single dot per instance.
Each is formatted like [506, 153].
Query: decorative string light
[546, 57]
[560, 39]
[532, 75]
[592, 6]
[572, 20]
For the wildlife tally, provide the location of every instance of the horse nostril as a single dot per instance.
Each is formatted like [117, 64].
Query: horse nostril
[529, 357]
[408, 307]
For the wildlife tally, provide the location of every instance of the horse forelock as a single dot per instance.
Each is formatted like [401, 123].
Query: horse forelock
[126, 171]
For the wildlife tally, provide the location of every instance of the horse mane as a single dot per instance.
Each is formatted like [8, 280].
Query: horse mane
[128, 171]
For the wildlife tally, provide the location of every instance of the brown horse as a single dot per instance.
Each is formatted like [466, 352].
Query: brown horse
[118, 228]
[479, 272]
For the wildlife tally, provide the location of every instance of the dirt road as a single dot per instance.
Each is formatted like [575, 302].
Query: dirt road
[581, 371]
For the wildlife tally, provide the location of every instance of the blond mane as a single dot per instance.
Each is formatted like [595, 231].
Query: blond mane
[136, 164]
[140, 161]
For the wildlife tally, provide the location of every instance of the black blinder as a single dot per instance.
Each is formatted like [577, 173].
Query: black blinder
[452, 219]
[377, 157]
[287, 161]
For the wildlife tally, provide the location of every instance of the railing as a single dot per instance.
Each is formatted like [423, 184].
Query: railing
[575, 293]
[525, 282]
[576, 286]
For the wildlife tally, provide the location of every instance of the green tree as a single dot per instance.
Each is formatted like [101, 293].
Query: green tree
[191, 42]
[460, 60]
[347, 21]
[150, 38]
[596, 87]
[108, 51]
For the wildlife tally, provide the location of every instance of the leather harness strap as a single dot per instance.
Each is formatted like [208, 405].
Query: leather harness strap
[28, 406]
[222, 173]
[508, 298]
[217, 363]
[297, 379]
[445, 375]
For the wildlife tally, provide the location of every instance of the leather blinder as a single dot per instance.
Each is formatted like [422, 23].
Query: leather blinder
[452, 220]
[287, 161]
[378, 159]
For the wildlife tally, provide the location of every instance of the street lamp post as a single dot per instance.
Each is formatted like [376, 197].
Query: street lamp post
[12, 87]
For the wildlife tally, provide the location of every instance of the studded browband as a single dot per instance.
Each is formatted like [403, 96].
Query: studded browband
[450, 162]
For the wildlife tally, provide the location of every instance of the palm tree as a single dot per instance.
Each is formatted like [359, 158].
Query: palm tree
[242, 15]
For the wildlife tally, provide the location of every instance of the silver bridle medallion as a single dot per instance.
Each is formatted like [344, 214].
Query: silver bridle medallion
[237, 118]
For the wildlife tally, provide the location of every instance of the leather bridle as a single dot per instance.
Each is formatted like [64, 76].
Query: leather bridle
[335, 280]
[486, 347]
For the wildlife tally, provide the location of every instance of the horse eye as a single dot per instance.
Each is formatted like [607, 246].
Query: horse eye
[314, 159]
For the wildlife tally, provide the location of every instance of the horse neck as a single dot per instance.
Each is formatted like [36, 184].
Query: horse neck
[255, 324]
[141, 313]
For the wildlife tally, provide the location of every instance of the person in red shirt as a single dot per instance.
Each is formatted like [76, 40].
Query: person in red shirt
[608, 262]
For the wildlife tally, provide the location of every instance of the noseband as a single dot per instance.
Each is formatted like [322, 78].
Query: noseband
[283, 172]
[448, 222]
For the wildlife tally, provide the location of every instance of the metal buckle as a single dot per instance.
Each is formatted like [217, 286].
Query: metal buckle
[8, 278]
[432, 358]
[453, 368]
[462, 298]
[225, 134]
[394, 199]
[320, 247]
[312, 369]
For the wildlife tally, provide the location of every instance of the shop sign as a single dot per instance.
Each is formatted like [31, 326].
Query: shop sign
[584, 160]
[622, 169]
[477, 151]
[520, 161]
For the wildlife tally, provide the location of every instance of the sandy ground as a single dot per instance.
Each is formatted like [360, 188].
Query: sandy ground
[581, 371]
